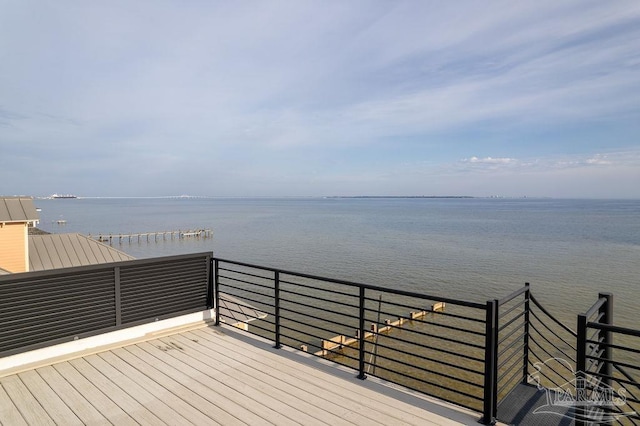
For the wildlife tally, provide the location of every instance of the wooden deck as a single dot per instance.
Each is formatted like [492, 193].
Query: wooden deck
[211, 375]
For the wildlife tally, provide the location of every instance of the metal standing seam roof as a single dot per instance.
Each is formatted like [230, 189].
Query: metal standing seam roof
[55, 251]
[17, 209]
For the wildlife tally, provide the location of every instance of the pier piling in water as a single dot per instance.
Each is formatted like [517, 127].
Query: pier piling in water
[340, 341]
[137, 236]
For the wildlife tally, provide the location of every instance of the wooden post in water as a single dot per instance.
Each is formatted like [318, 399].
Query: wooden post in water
[374, 329]
[438, 307]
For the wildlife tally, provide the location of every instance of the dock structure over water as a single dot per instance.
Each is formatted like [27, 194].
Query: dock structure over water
[338, 342]
[153, 236]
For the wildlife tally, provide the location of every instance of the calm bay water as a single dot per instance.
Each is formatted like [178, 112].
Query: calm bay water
[473, 249]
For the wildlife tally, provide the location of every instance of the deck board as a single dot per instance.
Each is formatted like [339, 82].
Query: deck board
[92, 395]
[267, 407]
[292, 400]
[86, 412]
[27, 404]
[359, 401]
[225, 412]
[327, 405]
[210, 375]
[121, 398]
[49, 399]
[233, 401]
[174, 401]
[137, 360]
[155, 403]
[9, 413]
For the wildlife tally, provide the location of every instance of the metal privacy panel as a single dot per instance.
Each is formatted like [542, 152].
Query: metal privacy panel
[164, 287]
[35, 309]
[38, 309]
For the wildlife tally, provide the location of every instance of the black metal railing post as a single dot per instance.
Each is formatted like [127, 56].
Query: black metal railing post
[525, 350]
[490, 364]
[276, 288]
[118, 296]
[361, 335]
[606, 311]
[581, 369]
[210, 291]
[216, 291]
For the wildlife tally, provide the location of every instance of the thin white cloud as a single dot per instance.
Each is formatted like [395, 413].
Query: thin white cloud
[606, 175]
[490, 160]
[599, 160]
[546, 164]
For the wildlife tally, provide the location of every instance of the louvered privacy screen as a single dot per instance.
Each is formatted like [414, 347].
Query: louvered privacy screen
[38, 309]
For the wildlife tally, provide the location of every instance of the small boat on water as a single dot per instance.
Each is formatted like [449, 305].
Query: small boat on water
[63, 196]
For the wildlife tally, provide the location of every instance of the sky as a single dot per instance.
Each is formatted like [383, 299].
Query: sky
[320, 98]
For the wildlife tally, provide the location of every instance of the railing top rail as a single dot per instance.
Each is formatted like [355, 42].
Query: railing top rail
[361, 285]
[596, 306]
[614, 328]
[97, 267]
[513, 295]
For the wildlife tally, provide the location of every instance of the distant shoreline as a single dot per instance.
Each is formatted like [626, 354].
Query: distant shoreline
[400, 196]
[239, 197]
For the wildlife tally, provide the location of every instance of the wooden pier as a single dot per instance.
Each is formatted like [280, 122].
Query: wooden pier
[340, 341]
[153, 236]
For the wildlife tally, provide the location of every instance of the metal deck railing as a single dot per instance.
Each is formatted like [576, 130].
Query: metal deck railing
[471, 354]
[610, 367]
[477, 355]
[431, 344]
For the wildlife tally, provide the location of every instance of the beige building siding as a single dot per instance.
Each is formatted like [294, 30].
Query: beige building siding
[14, 245]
